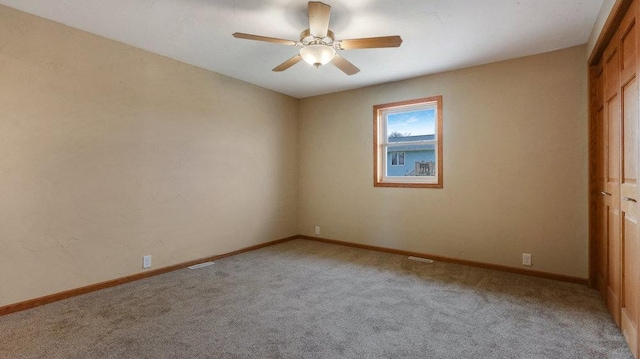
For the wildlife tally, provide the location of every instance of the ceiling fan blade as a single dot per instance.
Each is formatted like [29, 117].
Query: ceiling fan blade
[371, 42]
[274, 40]
[285, 65]
[319, 14]
[344, 65]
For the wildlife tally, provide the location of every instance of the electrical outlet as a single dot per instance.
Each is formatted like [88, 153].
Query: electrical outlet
[146, 261]
[526, 259]
[317, 229]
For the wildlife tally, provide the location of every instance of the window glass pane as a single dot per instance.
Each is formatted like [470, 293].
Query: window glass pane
[416, 125]
[414, 160]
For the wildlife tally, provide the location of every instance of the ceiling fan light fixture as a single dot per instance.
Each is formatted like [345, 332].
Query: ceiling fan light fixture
[317, 54]
[318, 43]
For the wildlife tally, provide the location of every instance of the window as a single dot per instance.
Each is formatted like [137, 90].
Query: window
[408, 143]
[397, 159]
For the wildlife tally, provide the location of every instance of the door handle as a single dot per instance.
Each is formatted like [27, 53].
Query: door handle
[629, 199]
[606, 193]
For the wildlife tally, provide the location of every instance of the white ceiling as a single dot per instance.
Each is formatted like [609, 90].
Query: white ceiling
[439, 35]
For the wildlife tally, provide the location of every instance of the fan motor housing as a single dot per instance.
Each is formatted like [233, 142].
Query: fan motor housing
[306, 38]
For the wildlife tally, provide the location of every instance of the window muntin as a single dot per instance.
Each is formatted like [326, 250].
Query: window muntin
[414, 129]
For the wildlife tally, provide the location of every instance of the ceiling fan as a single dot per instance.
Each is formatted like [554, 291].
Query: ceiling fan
[318, 43]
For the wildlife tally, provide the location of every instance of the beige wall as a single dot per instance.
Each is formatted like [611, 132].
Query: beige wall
[108, 153]
[515, 166]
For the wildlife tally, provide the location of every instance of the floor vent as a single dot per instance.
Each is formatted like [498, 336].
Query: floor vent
[205, 264]
[418, 259]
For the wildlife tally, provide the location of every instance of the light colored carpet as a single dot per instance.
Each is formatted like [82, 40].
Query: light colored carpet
[304, 299]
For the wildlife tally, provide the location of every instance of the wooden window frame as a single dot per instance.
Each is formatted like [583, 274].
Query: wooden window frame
[380, 145]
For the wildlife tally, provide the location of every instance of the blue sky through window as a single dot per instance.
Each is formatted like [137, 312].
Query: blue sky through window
[414, 123]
